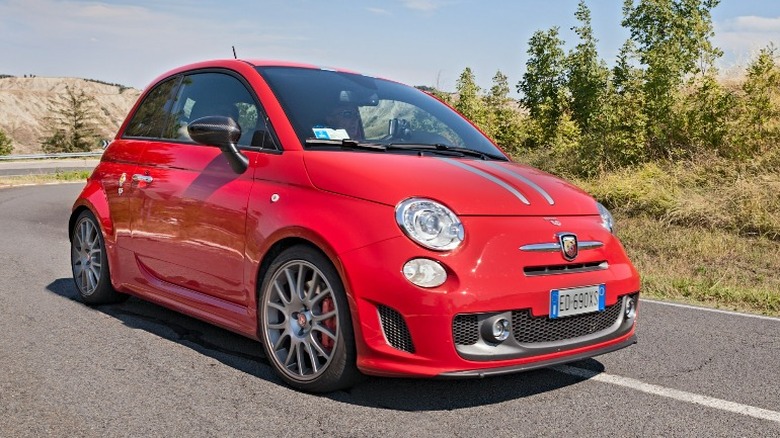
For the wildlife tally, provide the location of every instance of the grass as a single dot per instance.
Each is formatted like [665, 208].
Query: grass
[704, 232]
[698, 265]
[59, 176]
[713, 193]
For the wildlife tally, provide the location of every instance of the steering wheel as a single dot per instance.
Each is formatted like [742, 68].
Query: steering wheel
[398, 129]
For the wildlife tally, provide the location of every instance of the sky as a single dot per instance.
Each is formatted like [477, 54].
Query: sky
[418, 42]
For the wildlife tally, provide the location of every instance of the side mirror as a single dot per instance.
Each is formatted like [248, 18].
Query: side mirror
[222, 132]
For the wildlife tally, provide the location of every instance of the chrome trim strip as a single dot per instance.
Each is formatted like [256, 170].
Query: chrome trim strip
[555, 247]
[489, 177]
[523, 179]
[590, 244]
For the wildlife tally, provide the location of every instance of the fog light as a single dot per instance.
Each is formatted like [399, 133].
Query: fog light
[425, 272]
[496, 331]
[630, 308]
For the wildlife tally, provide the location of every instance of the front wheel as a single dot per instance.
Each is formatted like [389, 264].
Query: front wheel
[305, 322]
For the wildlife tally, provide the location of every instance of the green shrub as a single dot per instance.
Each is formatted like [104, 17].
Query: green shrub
[6, 147]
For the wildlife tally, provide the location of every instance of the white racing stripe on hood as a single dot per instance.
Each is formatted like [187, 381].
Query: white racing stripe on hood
[525, 180]
[487, 176]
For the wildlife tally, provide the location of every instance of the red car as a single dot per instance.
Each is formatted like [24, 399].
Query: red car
[352, 225]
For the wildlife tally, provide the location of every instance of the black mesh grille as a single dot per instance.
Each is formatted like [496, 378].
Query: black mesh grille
[570, 268]
[396, 331]
[465, 330]
[529, 330]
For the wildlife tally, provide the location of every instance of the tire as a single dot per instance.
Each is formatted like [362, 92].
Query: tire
[305, 322]
[89, 262]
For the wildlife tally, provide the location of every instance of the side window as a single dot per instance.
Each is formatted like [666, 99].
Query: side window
[152, 114]
[217, 94]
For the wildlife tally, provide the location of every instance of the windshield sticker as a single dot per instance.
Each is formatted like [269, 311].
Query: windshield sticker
[330, 134]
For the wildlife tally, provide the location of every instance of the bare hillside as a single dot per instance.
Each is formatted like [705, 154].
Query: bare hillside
[25, 104]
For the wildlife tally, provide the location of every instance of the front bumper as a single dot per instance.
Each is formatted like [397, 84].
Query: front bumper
[540, 363]
[405, 330]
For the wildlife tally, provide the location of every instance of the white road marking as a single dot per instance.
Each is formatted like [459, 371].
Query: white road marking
[707, 309]
[684, 396]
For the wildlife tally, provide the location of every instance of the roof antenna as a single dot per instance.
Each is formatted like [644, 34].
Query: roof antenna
[234, 52]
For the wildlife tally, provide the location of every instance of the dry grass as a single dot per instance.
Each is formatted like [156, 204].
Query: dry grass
[705, 266]
[62, 176]
[712, 193]
[704, 232]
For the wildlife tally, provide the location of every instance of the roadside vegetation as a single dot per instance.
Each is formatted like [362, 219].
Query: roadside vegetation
[6, 146]
[70, 125]
[687, 160]
[58, 176]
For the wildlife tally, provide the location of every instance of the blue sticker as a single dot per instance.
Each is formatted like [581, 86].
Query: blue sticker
[553, 304]
[321, 134]
[602, 297]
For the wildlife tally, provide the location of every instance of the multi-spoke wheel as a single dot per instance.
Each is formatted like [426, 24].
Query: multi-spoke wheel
[89, 262]
[305, 322]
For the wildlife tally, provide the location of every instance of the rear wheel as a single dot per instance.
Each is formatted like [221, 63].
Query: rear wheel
[305, 322]
[89, 262]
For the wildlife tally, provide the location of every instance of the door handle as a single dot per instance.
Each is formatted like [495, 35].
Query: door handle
[142, 178]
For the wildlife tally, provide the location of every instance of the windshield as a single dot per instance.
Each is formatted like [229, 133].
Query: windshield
[328, 108]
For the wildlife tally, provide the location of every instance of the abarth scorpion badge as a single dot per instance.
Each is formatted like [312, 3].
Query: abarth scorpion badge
[569, 247]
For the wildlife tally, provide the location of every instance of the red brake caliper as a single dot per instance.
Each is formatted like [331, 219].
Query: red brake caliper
[330, 323]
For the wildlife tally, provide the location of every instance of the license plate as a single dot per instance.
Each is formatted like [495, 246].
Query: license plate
[577, 300]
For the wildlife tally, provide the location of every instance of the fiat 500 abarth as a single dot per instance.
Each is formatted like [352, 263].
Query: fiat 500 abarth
[351, 224]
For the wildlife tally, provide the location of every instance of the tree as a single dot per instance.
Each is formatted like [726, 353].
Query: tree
[71, 123]
[586, 75]
[624, 124]
[6, 146]
[469, 102]
[706, 113]
[759, 122]
[504, 125]
[673, 40]
[542, 87]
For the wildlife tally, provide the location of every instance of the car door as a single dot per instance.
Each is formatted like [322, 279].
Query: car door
[121, 161]
[190, 231]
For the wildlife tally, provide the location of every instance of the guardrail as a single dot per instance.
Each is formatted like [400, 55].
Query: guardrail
[19, 157]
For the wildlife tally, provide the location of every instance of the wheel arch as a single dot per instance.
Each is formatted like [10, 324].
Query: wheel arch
[283, 240]
[93, 198]
[283, 243]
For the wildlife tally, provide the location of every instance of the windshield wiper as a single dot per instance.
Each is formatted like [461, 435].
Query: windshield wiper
[439, 147]
[347, 144]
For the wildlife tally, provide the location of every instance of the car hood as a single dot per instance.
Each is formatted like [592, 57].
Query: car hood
[467, 186]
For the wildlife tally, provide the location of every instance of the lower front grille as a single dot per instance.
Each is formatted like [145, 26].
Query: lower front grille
[395, 329]
[465, 329]
[529, 330]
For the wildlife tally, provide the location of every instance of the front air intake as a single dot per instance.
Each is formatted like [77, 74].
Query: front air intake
[395, 329]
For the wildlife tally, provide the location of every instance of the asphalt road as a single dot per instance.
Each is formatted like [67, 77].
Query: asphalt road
[136, 369]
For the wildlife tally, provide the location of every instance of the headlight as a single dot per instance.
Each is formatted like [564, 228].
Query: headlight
[429, 223]
[607, 221]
